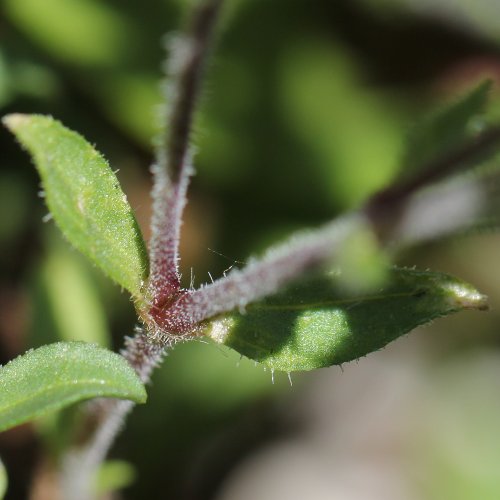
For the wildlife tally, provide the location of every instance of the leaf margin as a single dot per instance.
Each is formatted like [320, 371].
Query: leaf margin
[130, 389]
[22, 127]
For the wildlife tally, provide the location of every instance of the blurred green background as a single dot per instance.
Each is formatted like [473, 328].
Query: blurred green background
[304, 114]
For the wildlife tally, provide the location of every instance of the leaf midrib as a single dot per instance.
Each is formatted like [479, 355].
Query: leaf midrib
[331, 303]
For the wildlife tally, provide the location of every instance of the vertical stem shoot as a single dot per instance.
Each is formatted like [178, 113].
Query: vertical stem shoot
[173, 168]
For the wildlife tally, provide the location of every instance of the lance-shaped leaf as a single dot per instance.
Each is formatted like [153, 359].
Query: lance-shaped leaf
[85, 198]
[311, 325]
[56, 375]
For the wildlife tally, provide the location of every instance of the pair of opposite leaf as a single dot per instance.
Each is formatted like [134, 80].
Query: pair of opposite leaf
[309, 324]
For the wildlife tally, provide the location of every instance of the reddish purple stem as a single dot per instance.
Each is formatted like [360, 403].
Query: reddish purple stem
[169, 200]
[259, 278]
[173, 169]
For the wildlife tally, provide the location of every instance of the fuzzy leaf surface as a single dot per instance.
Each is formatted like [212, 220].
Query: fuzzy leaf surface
[57, 375]
[85, 198]
[312, 325]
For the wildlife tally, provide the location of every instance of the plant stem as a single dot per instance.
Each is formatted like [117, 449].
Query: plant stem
[171, 173]
[435, 171]
[80, 465]
[264, 276]
[408, 212]
[144, 352]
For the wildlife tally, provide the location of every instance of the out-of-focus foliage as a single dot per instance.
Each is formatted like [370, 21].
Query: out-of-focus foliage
[459, 441]
[479, 17]
[66, 302]
[447, 129]
[83, 31]
[306, 111]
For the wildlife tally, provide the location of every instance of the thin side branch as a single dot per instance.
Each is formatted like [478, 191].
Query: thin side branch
[408, 213]
[171, 173]
[187, 63]
[435, 171]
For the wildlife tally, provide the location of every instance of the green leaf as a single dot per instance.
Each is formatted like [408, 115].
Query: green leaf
[310, 325]
[57, 375]
[446, 129]
[3, 480]
[85, 198]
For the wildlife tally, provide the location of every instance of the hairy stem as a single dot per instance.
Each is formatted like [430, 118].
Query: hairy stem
[144, 352]
[171, 173]
[80, 465]
[265, 276]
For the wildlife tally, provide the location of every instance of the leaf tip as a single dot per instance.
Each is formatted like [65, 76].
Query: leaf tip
[142, 395]
[464, 296]
[14, 120]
